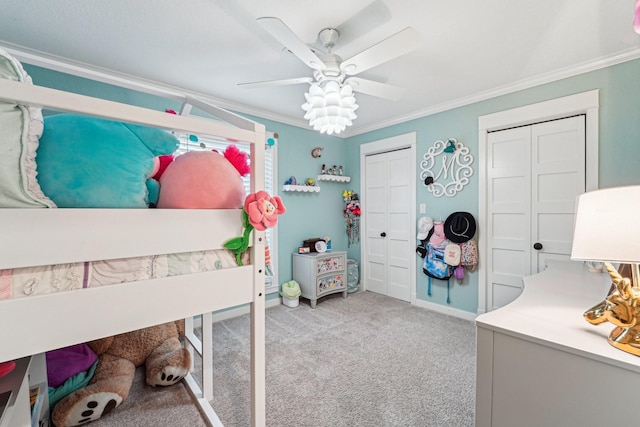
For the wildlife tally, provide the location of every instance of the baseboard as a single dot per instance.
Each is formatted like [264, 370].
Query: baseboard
[446, 310]
[234, 312]
[239, 311]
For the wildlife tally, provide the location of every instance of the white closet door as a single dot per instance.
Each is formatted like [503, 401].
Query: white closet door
[534, 175]
[509, 213]
[388, 225]
[558, 171]
[375, 211]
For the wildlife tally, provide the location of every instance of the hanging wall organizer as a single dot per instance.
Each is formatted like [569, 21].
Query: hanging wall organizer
[446, 167]
[352, 214]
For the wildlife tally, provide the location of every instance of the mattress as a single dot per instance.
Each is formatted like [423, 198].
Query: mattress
[42, 280]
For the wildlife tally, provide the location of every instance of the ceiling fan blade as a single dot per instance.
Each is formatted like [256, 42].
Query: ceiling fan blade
[290, 40]
[373, 88]
[283, 82]
[390, 48]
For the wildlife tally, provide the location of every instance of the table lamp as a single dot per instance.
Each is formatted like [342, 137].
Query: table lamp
[607, 229]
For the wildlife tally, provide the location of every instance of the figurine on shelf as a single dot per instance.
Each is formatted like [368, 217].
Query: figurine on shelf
[311, 181]
[323, 169]
[340, 170]
[291, 181]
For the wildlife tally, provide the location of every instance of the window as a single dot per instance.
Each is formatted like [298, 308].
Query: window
[205, 143]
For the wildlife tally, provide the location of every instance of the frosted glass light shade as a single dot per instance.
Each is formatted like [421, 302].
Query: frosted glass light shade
[330, 107]
[607, 226]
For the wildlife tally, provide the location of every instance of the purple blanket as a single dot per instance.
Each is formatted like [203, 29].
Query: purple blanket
[67, 362]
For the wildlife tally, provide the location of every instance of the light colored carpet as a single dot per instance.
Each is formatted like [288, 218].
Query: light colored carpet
[367, 360]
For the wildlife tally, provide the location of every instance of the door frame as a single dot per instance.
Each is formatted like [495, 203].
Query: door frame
[582, 103]
[408, 141]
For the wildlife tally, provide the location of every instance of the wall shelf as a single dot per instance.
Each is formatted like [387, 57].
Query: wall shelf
[302, 188]
[334, 178]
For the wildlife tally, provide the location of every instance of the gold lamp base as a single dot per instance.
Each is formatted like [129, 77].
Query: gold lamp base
[622, 308]
[626, 339]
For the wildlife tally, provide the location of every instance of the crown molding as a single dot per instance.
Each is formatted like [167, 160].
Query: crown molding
[104, 75]
[108, 76]
[585, 67]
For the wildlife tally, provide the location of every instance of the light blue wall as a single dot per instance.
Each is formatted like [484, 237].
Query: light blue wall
[619, 150]
[308, 214]
[320, 214]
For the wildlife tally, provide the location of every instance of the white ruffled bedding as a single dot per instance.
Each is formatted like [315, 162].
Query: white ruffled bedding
[31, 281]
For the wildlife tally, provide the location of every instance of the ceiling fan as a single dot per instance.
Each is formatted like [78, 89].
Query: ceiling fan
[329, 67]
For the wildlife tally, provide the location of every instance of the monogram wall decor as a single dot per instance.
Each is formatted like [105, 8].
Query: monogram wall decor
[446, 167]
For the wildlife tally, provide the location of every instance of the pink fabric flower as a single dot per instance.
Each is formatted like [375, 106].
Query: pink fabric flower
[263, 210]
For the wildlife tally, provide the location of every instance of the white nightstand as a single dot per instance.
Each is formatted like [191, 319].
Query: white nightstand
[320, 274]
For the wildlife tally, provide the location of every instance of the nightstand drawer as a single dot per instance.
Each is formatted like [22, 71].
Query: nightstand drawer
[331, 283]
[330, 264]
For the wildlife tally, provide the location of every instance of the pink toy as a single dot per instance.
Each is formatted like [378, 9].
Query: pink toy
[260, 212]
[161, 164]
[263, 210]
[204, 180]
[6, 367]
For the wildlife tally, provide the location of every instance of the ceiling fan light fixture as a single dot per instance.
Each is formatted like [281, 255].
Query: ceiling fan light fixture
[330, 106]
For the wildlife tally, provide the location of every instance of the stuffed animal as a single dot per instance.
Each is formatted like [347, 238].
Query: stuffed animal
[157, 347]
[204, 180]
[86, 162]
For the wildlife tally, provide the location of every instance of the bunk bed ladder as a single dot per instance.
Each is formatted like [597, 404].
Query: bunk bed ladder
[204, 348]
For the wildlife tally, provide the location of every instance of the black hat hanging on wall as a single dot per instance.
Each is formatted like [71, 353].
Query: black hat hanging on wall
[460, 227]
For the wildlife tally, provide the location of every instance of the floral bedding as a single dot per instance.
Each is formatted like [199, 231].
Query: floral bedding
[41, 280]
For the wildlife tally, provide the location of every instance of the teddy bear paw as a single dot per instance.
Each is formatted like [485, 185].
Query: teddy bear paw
[93, 407]
[169, 375]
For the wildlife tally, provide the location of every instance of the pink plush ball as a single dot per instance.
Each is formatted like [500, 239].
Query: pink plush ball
[201, 180]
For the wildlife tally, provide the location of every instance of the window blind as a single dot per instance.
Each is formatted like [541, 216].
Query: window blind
[204, 143]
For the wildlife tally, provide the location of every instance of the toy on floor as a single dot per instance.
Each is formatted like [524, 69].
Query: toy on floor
[157, 347]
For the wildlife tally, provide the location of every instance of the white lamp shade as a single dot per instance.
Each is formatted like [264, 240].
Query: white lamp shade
[607, 226]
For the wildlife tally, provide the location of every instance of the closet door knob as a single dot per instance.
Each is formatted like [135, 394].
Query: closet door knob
[537, 246]
[383, 234]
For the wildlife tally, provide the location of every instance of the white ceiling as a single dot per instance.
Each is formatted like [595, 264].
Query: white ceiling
[472, 50]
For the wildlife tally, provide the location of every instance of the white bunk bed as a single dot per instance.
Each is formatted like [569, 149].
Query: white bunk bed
[35, 237]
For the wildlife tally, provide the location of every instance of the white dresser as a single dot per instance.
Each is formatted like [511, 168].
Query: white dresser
[320, 274]
[540, 364]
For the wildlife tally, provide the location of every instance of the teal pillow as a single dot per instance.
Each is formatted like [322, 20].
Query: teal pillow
[86, 162]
